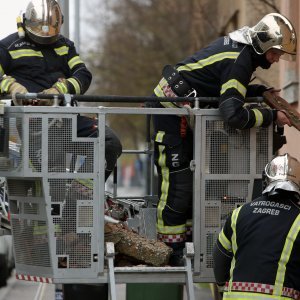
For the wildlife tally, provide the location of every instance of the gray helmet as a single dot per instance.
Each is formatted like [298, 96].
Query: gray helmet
[43, 20]
[282, 172]
[272, 31]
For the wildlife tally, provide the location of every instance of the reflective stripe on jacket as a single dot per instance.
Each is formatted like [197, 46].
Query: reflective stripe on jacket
[38, 67]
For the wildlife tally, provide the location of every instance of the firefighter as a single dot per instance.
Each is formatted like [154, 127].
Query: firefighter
[256, 255]
[223, 69]
[39, 59]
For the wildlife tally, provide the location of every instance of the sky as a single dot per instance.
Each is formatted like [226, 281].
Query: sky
[9, 13]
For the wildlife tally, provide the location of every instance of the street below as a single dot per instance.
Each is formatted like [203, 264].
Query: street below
[27, 290]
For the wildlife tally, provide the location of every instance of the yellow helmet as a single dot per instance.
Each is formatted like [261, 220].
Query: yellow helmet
[43, 20]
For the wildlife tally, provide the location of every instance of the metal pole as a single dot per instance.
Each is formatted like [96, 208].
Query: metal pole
[65, 29]
[77, 25]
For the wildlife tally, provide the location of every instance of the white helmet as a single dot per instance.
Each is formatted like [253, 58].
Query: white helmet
[272, 31]
[43, 20]
[282, 172]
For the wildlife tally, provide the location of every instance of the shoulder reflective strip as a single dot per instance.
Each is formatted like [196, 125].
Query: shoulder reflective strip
[164, 185]
[158, 91]
[234, 218]
[224, 241]
[15, 54]
[5, 84]
[234, 84]
[258, 117]
[250, 296]
[1, 71]
[159, 136]
[74, 61]
[208, 61]
[285, 256]
[62, 50]
[75, 84]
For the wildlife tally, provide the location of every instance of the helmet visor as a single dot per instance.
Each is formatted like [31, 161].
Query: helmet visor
[43, 19]
[283, 168]
[274, 31]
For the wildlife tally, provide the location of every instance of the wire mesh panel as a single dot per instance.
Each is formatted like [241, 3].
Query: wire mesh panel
[10, 143]
[54, 195]
[230, 161]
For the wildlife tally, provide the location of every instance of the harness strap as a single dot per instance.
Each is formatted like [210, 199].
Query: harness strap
[177, 83]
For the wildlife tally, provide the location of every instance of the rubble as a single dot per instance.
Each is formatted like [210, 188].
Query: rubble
[136, 247]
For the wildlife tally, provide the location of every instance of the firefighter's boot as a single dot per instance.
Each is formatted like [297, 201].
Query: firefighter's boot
[176, 258]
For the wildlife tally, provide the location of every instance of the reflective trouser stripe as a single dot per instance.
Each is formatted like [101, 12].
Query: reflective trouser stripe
[165, 184]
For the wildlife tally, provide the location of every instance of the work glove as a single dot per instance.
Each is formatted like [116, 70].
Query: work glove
[52, 90]
[15, 88]
[60, 87]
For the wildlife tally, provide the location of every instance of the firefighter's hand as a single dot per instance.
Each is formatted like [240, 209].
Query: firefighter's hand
[15, 88]
[282, 119]
[52, 90]
[48, 102]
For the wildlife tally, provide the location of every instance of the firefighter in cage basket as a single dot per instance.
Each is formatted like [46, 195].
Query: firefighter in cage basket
[256, 255]
[223, 69]
[38, 59]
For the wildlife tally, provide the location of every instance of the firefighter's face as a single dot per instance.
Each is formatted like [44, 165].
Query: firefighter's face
[273, 55]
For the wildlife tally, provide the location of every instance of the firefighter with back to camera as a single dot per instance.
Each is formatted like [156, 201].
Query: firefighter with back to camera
[223, 69]
[256, 255]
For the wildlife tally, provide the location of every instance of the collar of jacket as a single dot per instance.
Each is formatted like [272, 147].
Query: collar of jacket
[259, 60]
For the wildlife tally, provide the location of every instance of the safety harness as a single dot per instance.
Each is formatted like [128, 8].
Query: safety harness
[176, 85]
